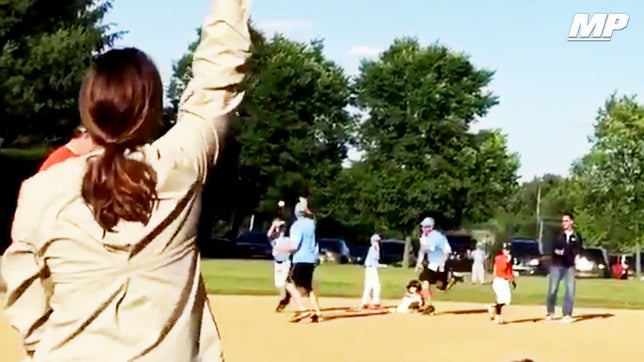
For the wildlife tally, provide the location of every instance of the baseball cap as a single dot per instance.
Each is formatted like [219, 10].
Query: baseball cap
[427, 222]
[375, 238]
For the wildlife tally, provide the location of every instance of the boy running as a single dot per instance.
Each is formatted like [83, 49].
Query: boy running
[435, 249]
[503, 277]
[371, 294]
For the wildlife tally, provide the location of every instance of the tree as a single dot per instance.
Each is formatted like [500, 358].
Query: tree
[292, 127]
[609, 177]
[47, 47]
[420, 158]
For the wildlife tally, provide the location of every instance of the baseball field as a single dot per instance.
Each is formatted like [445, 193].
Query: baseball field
[459, 331]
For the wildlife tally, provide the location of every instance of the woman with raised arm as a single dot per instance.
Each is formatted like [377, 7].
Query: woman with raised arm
[103, 264]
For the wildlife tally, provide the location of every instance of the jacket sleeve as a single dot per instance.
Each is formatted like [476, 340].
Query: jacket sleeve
[27, 305]
[213, 92]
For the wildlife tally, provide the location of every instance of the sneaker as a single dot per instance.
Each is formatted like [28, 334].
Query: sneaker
[280, 308]
[315, 318]
[568, 319]
[490, 312]
[364, 306]
[498, 319]
[549, 317]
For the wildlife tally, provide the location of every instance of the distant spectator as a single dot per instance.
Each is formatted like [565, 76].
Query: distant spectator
[478, 265]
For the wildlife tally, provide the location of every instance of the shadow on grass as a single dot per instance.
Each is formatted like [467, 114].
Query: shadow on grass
[579, 318]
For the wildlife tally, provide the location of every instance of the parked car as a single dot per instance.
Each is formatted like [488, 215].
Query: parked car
[592, 262]
[359, 253]
[334, 251]
[254, 244]
[459, 260]
[392, 251]
[527, 258]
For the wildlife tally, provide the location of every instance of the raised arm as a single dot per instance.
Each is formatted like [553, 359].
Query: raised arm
[213, 92]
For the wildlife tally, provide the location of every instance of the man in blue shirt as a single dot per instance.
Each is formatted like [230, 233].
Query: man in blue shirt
[432, 255]
[305, 257]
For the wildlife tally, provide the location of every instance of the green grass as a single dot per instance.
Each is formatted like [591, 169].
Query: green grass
[255, 277]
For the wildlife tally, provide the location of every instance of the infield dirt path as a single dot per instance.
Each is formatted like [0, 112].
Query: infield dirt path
[459, 332]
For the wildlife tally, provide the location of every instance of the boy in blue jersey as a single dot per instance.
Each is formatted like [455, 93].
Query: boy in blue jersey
[371, 294]
[305, 256]
[432, 255]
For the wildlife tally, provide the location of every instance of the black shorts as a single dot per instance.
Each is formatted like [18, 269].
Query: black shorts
[433, 277]
[302, 276]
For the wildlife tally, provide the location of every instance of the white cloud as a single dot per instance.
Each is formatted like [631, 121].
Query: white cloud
[283, 26]
[364, 51]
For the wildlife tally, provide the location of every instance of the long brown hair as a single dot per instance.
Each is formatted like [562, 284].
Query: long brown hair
[121, 105]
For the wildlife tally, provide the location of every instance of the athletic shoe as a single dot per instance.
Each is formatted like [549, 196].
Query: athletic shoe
[550, 317]
[315, 318]
[490, 311]
[280, 308]
[364, 307]
[568, 319]
[498, 319]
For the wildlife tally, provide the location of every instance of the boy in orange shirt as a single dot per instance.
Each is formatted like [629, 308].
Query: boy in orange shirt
[503, 277]
[80, 144]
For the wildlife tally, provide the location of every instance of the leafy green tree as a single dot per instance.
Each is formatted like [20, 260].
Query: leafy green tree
[610, 177]
[420, 157]
[46, 49]
[292, 129]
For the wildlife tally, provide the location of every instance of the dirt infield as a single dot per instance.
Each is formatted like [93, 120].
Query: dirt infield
[458, 332]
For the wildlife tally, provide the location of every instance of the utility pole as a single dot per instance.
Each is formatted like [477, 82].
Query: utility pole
[539, 222]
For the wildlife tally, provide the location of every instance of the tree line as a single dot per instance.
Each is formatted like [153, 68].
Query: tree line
[410, 112]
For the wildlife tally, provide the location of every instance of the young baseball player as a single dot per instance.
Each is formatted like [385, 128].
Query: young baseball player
[282, 260]
[371, 294]
[412, 301]
[503, 277]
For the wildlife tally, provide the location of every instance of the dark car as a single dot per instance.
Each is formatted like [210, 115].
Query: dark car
[592, 263]
[392, 252]
[359, 253]
[334, 251]
[527, 258]
[459, 260]
[254, 244]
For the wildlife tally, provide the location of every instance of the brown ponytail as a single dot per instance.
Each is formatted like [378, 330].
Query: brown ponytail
[121, 106]
[117, 187]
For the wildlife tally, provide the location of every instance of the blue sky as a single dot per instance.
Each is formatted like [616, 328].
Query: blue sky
[550, 89]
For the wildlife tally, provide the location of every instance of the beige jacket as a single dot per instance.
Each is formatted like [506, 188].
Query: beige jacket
[75, 294]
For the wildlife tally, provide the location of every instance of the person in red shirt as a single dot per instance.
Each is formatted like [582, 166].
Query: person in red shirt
[503, 277]
[80, 144]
